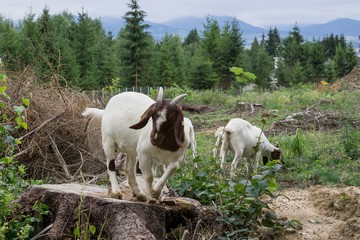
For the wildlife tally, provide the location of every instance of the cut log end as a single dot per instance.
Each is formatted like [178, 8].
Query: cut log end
[119, 219]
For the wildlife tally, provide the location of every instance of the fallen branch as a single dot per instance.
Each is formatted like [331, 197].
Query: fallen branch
[42, 125]
[60, 158]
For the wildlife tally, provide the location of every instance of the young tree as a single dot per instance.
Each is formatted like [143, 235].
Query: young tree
[87, 36]
[314, 68]
[211, 38]
[192, 38]
[230, 49]
[292, 51]
[135, 44]
[202, 75]
[344, 59]
[273, 42]
[10, 45]
[65, 63]
[261, 64]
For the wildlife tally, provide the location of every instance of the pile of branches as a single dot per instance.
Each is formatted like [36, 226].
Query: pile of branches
[309, 119]
[57, 144]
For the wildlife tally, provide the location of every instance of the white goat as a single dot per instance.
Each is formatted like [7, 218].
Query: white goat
[161, 139]
[219, 136]
[189, 129]
[242, 138]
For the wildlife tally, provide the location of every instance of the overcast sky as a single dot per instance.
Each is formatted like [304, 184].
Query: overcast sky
[262, 13]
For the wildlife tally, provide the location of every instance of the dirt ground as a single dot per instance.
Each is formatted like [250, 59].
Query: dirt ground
[324, 212]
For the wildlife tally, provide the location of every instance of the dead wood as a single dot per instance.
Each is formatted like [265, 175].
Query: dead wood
[309, 119]
[196, 108]
[72, 203]
[55, 145]
[246, 107]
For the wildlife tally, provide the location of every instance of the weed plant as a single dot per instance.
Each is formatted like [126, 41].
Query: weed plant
[310, 156]
[237, 199]
[12, 183]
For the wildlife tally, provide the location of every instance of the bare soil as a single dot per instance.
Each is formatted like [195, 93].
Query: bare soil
[324, 212]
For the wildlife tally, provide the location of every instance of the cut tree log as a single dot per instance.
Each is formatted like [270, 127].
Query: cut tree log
[75, 204]
[247, 107]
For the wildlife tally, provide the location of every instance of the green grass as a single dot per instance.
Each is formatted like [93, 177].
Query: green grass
[312, 157]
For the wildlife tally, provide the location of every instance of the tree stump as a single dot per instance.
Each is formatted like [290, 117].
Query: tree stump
[72, 203]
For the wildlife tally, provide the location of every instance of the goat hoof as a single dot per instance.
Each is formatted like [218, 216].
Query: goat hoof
[156, 194]
[117, 195]
[153, 200]
[141, 198]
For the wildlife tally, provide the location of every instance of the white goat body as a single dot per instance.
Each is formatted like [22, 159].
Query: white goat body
[189, 129]
[121, 113]
[242, 138]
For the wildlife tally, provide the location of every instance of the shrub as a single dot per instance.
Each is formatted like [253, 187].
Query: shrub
[12, 181]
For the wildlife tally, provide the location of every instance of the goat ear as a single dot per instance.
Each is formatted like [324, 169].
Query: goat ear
[143, 120]
[179, 130]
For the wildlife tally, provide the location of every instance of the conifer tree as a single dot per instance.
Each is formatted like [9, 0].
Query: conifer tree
[87, 36]
[202, 74]
[192, 38]
[229, 52]
[10, 46]
[273, 42]
[261, 64]
[31, 39]
[136, 41]
[211, 38]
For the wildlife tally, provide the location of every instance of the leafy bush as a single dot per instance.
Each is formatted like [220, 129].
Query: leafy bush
[350, 139]
[12, 181]
[238, 199]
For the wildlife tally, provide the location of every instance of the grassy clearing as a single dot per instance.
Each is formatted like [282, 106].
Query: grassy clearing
[312, 157]
[329, 157]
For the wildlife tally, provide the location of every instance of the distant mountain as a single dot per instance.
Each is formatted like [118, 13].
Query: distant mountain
[198, 23]
[345, 26]
[112, 24]
[350, 28]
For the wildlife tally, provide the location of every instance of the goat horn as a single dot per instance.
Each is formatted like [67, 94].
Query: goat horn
[160, 94]
[177, 99]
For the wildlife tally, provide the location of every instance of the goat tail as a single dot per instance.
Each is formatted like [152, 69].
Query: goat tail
[93, 112]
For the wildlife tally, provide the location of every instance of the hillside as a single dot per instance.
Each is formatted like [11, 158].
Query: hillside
[182, 26]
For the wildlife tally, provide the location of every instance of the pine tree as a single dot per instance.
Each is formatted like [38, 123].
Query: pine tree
[108, 61]
[315, 61]
[192, 38]
[211, 38]
[31, 39]
[344, 59]
[65, 62]
[10, 45]
[230, 48]
[292, 49]
[202, 75]
[135, 44]
[261, 64]
[273, 42]
[87, 36]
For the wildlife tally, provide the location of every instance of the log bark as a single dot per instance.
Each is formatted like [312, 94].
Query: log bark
[74, 203]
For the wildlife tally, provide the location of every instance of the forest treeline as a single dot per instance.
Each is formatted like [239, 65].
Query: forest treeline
[77, 51]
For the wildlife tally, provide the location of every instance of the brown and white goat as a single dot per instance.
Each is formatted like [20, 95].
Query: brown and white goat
[157, 136]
